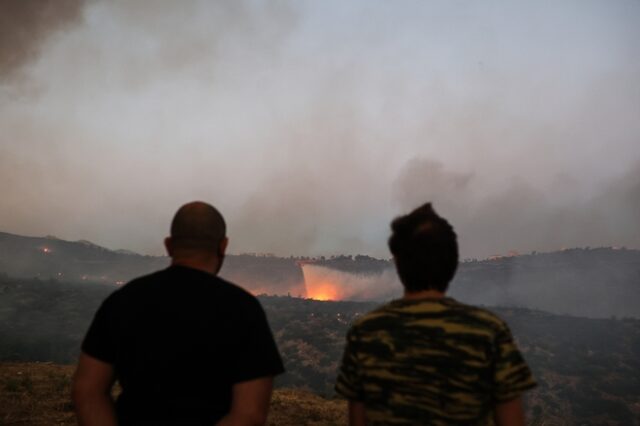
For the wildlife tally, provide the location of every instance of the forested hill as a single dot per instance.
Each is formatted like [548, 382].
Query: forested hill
[83, 261]
[599, 282]
[591, 282]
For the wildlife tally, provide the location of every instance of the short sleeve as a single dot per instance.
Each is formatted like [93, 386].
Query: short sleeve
[348, 383]
[512, 375]
[257, 355]
[99, 341]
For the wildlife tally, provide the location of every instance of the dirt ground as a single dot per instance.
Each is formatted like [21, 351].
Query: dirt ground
[37, 394]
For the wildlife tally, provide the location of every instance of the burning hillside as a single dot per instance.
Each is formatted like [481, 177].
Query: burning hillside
[322, 283]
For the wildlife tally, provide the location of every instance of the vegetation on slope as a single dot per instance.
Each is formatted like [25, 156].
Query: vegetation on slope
[587, 369]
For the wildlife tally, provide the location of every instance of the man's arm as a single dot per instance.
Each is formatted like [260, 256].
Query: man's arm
[250, 403]
[510, 413]
[357, 414]
[91, 392]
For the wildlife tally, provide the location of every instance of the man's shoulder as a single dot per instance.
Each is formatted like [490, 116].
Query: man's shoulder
[139, 283]
[238, 292]
[447, 312]
[182, 278]
[480, 314]
[379, 317]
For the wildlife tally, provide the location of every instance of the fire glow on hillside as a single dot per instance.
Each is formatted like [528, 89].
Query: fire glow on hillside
[319, 285]
[323, 291]
[328, 284]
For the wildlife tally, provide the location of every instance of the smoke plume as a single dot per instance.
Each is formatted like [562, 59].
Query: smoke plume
[25, 26]
[521, 218]
[310, 125]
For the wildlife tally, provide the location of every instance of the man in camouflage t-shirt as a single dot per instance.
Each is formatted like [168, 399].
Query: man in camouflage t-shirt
[426, 358]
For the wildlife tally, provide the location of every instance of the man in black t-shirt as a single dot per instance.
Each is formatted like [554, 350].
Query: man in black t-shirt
[187, 347]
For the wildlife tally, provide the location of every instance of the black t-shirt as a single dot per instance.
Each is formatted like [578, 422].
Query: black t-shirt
[179, 339]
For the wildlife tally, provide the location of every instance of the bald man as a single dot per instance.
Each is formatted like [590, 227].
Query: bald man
[187, 347]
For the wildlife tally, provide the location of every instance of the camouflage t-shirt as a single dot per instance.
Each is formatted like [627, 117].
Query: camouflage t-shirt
[433, 362]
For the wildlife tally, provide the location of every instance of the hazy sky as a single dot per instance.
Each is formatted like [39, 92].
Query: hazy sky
[311, 124]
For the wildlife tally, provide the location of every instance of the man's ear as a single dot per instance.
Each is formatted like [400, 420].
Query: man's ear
[223, 246]
[168, 246]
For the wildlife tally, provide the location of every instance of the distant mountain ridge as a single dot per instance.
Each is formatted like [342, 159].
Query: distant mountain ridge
[592, 282]
[598, 282]
[83, 261]
[53, 258]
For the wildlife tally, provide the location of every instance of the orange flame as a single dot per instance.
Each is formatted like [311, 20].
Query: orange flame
[323, 291]
[319, 286]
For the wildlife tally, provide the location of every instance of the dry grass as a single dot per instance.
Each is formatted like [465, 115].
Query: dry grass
[296, 407]
[37, 394]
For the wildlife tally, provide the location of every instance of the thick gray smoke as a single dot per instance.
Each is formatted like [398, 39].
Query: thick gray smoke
[519, 217]
[311, 124]
[25, 25]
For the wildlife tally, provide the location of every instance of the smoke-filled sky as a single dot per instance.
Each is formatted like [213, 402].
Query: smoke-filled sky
[311, 124]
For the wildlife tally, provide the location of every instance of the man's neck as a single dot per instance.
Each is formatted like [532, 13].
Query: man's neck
[208, 267]
[423, 294]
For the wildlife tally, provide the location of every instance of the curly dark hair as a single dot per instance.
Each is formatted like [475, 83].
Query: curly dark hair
[425, 249]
